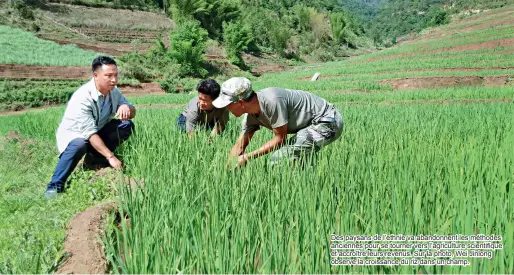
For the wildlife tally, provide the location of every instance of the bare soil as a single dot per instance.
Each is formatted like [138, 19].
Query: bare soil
[86, 254]
[259, 70]
[102, 40]
[141, 89]
[115, 49]
[433, 101]
[413, 83]
[44, 72]
[24, 111]
[457, 69]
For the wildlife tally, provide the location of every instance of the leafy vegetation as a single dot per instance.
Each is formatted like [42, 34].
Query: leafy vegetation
[32, 230]
[15, 43]
[412, 174]
[15, 95]
[237, 37]
[400, 17]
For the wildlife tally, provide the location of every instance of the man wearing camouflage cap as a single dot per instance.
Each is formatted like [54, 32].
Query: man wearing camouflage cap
[313, 120]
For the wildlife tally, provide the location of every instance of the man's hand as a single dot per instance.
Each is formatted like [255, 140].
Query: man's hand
[100, 147]
[242, 142]
[242, 160]
[236, 162]
[276, 142]
[124, 112]
[115, 162]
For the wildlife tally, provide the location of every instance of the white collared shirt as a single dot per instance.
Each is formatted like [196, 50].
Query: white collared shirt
[84, 115]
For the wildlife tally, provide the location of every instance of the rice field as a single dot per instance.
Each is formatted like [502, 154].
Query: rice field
[436, 161]
[398, 169]
[343, 97]
[422, 169]
[411, 169]
[21, 47]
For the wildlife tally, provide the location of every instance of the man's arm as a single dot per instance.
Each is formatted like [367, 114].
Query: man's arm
[100, 147]
[241, 144]
[276, 142]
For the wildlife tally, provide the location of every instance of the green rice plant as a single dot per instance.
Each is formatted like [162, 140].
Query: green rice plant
[422, 169]
[21, 47]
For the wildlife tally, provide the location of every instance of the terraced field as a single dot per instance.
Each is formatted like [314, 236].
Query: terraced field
[101, 29]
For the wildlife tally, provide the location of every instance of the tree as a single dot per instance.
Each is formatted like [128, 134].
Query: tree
[237, 36]
[183, 10]
[215, 13]
[187, 47]
[338, 24]
[320, 26]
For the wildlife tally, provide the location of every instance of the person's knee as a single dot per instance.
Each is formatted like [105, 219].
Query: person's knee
[281, 156]
[78, 142]
[274, 159]
[78, 146]
[128, 127]
[181, 123]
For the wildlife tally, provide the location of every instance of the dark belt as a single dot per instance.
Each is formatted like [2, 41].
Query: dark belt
[326, 120]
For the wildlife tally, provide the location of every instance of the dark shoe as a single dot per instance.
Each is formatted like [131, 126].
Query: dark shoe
[51, 193]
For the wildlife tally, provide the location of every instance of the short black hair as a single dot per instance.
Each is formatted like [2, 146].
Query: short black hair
[209, 87]
[250, 97]
[102, 60]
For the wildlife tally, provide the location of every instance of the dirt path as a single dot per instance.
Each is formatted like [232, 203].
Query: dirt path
[27, 111]
[433, 82]
[141, 89]
[44, 72]
[87, 255]
[430, 101]
[455, 69]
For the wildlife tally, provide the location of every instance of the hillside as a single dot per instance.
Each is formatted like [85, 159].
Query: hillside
[118, 32]
[470, 58]
[105, 30]
[396, 18]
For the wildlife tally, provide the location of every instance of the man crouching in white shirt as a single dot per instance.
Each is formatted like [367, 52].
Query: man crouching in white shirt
[88, 125]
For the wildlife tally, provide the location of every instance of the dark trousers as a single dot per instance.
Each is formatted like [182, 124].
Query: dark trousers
[181, 123]
[112, 134]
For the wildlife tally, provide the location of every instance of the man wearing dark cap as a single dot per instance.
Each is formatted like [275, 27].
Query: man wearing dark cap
[314, 122]
[88, 126]
[200, 113]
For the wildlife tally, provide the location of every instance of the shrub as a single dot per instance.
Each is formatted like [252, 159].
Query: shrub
[187, 48]
[169, 85]
[237, 37]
